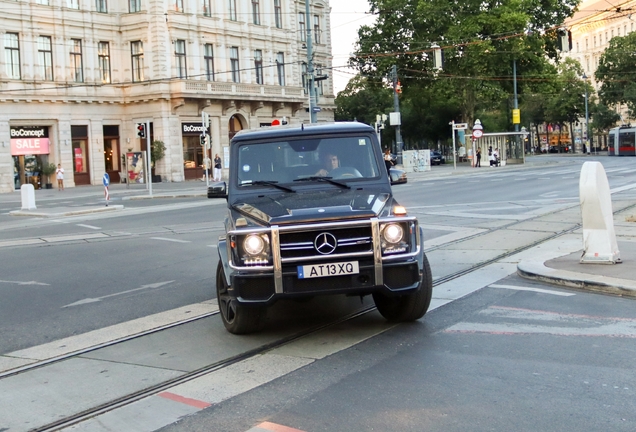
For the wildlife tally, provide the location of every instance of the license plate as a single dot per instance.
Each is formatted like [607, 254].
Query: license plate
[328, 269]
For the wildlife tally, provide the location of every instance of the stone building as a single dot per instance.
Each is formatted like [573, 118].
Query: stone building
[78, 76]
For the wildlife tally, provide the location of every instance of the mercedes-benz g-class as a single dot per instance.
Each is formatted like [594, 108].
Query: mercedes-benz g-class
[311, 212]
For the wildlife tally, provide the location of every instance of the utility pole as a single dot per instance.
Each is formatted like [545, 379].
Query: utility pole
[396, 107]
[310, 68]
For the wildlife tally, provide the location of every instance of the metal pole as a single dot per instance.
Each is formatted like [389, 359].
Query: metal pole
[396, 107]
[310, 67]
[453, 132]
[148, 157]
[587, 121]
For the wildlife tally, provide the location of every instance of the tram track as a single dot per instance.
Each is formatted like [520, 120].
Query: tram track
[224, 363]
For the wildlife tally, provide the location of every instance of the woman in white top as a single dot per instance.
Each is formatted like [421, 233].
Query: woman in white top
[59, 175]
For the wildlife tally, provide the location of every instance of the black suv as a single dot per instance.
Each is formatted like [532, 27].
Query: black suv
[311, 212]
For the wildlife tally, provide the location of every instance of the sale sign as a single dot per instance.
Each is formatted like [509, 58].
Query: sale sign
[29, 146]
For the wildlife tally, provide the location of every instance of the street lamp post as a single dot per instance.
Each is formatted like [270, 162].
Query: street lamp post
[587, 119]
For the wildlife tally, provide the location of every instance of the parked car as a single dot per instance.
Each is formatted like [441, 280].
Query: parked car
[558, 149]
[437, 158]
[398, 176]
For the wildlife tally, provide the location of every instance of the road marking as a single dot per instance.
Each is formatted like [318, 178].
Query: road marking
[272, 427]
[212, 246]
[549, 195]
[170, 240]
[547, 322]
[184, 400]
[97, 299]
[89, 226]
[24, 283]
[539, 290]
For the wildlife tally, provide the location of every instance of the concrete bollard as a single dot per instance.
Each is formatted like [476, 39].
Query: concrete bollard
[599, 238]
[27, 192]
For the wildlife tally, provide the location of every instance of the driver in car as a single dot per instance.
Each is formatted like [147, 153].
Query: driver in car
[329, 163]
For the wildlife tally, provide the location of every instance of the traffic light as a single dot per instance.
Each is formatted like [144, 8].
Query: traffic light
[202, 138]
[398, 88]
[141, 130]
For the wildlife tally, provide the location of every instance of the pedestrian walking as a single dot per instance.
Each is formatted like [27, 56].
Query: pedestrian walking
[59, 175]
[206, 167]
[478, 164]
[217, 167]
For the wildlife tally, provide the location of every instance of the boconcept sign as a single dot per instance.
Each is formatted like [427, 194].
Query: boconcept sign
[29, 140]
[192, 128]
[30, 132]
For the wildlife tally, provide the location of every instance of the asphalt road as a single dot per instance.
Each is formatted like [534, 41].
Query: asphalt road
[497, 360]
[507, 357]
[160, 254]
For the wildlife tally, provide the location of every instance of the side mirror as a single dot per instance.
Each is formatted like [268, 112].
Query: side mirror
[217, 190]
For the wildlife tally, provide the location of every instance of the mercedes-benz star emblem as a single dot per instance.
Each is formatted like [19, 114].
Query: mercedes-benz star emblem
[325, 243]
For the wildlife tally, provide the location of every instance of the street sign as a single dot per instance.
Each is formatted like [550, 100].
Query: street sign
[316, 109]
[460, 125]
[106, 180]
[478, 133]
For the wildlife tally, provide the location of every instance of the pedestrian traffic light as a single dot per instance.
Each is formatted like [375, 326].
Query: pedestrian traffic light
[202, 138]
[141, 130]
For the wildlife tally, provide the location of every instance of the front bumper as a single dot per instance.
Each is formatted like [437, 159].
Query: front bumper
[389, 275]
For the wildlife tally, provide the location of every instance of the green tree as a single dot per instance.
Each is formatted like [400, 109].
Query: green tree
[604, 117]
[567, 104]
[362, 100]
[615, 70]
[480, 40]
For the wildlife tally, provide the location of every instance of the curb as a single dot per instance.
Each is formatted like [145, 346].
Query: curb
[538, 271]
[36, 213]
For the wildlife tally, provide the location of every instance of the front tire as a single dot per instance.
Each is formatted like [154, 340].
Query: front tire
[237, 319]
[408, 307]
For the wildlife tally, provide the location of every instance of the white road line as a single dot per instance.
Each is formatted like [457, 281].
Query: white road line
[89, 226]
[171, 240]
[23, 283]
[98, 299]
[539, 290]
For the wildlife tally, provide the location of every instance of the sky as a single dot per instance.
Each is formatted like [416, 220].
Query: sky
[346, 18]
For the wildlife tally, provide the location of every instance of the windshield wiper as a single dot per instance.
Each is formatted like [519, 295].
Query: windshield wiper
[324, 179]
[268, 183]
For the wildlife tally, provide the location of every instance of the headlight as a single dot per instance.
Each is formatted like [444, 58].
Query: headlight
[253, 244]
[393, 233]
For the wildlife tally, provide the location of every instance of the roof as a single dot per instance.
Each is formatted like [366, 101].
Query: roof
[296, 130]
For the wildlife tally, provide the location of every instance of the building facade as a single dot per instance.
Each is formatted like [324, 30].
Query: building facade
[78, 76]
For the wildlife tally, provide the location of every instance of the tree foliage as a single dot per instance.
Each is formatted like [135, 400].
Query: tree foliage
[480, 42]
[617, 70]
[362, 100]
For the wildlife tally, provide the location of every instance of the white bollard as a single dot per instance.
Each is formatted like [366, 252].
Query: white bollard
[599, 238]
[28, 197]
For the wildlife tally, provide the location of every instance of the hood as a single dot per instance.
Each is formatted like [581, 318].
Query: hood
[310, 206]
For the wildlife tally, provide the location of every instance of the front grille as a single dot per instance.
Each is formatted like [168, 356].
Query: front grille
[350, 240]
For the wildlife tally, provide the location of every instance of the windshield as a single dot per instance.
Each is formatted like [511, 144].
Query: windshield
[307, 159]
